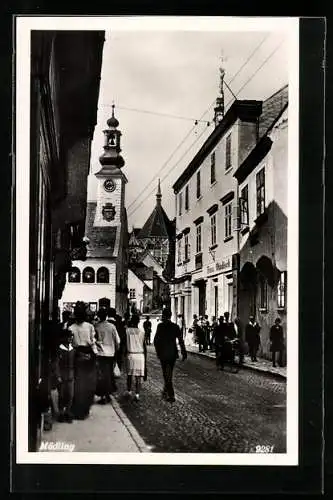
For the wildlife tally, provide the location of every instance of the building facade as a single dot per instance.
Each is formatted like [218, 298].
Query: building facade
[65, 76]
[206, 203]
[209, 240]
[263, 192]
[102, 279]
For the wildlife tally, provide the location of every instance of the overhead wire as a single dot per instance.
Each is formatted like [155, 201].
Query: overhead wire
[131, 212]
[191, 130]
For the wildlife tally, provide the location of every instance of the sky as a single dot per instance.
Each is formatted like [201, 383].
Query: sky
[149, 74]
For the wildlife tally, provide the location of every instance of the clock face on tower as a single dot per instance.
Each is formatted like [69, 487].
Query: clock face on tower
[109, 185]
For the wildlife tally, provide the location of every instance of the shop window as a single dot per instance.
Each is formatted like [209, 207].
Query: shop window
[263, 290]
[260, 181]
[198, 185]
[88, 275]
[132, 293]
[282, 290]
[228, 153]
[213, 229]
[198, 239]
[74, 275]
[103, 275]
[187, 204]
[244, 207]
[212, 168]
[227, 220]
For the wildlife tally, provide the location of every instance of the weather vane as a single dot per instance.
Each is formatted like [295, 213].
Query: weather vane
[222, 72]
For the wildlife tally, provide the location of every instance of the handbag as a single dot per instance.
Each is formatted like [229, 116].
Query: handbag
[116, 370]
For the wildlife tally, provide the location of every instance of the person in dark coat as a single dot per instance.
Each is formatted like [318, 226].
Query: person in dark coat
[64, 371]
[219, 342]
[165, 342]
[277, 341]
[147, 330]
[252, 337]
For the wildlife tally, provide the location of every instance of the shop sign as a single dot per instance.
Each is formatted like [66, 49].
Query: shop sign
[221, 266]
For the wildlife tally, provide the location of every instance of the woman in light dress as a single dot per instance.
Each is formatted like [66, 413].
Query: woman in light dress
[84, 343]
[136, 353]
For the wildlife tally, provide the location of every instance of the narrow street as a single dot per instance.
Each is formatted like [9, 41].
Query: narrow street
[216, 412]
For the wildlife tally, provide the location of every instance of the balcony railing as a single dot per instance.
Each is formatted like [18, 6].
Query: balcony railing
[198, 261]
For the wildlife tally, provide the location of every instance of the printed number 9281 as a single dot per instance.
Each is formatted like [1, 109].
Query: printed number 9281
[261, 448]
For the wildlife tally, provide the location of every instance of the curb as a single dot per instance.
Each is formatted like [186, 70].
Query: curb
[246, 366]
[139, 442]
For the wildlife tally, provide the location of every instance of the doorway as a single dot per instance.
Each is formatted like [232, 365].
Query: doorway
[216, 301]
[202, 298]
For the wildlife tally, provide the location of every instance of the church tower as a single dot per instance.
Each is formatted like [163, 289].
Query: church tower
[102, 279]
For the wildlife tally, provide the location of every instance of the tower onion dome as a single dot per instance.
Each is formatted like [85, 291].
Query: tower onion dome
[111, 156]
[112, 122]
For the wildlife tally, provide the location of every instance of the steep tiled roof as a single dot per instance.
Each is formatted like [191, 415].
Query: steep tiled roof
[271, 109]
[157, 225]
[142, 271]
[101, 239]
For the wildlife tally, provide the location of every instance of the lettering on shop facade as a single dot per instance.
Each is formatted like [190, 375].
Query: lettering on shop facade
[220, 266]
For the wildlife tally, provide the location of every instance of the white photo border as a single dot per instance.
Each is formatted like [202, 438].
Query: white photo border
[24, 26]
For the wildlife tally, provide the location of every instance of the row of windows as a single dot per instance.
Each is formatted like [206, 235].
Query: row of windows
[213, 234]
[228, 165]
[88, 275]
[228, 219]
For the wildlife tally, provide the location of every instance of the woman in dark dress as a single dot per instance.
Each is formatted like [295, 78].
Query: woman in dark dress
[84, 343]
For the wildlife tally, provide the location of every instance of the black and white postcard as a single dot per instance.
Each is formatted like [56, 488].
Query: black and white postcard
[157, 214]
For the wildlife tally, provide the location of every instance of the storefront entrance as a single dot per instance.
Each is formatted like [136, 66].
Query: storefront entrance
[202, 298]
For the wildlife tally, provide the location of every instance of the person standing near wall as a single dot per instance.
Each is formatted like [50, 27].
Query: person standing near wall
[252, 337]
[277, 342]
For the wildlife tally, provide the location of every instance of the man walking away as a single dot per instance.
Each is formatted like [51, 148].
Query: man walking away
[165, 342]
[277, 341]
[107, 341]
[219, 341]
[252, 337]
[147, 329]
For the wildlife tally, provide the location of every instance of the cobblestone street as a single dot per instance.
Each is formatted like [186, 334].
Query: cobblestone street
[216, 412]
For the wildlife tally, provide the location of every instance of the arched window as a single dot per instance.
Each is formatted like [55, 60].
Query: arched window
[74, 275]
[88, 275]
[103, 275]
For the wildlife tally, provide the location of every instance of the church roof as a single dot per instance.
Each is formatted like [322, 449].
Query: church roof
[102, 240]
[158, 224]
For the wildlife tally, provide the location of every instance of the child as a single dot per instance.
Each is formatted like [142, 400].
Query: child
[64, 370]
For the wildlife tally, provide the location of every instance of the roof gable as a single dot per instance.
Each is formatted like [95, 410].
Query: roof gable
[157, 225]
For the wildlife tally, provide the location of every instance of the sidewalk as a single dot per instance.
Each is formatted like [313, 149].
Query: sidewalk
[262, 365]
[107, 430]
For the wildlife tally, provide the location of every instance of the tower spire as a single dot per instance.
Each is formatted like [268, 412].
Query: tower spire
[219, 108]
[111, 158]
[159, 194]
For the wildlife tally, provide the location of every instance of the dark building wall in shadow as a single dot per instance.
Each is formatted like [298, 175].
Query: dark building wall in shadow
[258, 261]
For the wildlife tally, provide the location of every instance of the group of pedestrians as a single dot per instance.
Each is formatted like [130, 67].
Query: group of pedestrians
[88, 351]
[217, 335]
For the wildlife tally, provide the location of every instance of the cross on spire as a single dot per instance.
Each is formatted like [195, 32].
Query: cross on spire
[159, 194]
